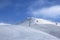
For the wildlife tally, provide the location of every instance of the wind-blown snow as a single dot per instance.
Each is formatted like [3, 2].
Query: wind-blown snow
[14, 32]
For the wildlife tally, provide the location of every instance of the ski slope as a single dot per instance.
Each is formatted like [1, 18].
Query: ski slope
[17, 32]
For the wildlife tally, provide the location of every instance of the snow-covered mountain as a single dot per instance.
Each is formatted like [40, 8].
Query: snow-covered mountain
[17, 32]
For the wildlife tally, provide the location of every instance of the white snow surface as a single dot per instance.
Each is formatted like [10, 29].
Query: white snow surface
[17, 32]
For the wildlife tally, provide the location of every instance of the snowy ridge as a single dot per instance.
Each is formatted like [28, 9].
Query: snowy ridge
[33, 20]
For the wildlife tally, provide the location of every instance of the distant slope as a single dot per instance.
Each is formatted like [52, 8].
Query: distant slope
[14, 32]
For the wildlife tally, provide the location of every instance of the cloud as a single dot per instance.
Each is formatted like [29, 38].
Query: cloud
[51, 12]
[4, 24]
[42, 3]
[47, 9]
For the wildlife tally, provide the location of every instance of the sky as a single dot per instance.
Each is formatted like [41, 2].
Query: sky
[13, 11]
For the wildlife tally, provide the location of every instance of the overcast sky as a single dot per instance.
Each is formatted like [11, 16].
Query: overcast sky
[12, 11]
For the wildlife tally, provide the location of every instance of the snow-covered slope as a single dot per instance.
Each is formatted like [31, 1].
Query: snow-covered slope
[14, 32]
[43, 25]
[48, 28]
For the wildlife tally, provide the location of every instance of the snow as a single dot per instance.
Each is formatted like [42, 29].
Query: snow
[43, 21]
[48, 28]
[4, 24]
[17, 32]
[39, 21]
[43, 25]
[58, 24]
